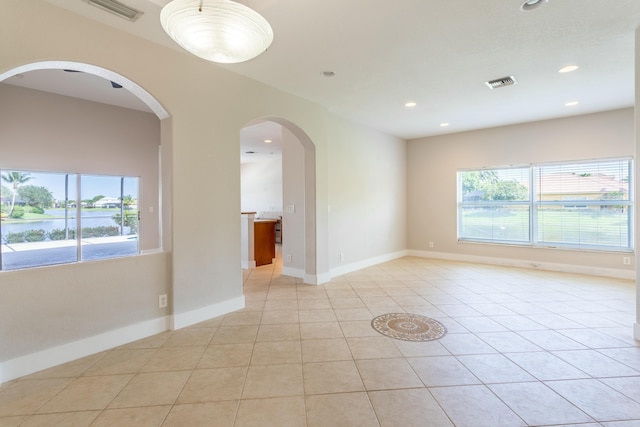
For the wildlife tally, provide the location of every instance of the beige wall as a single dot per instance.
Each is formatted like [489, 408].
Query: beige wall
[433, 163]
[261, 186]
[293, 223]
[42, 308]
[367, 194]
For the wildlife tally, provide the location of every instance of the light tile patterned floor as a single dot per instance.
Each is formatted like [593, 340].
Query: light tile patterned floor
[524, 347]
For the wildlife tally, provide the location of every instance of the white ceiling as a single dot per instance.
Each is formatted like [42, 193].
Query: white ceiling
[435, 53]
[253, 147]
[78, 85]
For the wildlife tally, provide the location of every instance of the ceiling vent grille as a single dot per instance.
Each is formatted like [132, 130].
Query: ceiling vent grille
[501, 82]
[117, 8]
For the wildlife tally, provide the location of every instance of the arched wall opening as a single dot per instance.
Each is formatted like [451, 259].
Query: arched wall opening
[298, 200]
[62, 139]
[107, 302]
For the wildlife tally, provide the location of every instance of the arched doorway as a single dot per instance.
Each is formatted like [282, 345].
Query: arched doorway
[298, 199]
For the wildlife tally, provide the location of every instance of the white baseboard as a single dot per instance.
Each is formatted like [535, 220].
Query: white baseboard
[248, 265]
[317, 279]
[182, 320]
[359, 265]
[292, 272]
[309, 279]
[636, 331]
[536, 265]
[34, 362]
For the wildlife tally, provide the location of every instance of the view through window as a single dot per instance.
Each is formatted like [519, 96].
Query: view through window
[41, 214]
[584, 205]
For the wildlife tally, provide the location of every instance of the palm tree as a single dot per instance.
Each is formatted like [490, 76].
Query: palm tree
[15, 179]
[128, 201]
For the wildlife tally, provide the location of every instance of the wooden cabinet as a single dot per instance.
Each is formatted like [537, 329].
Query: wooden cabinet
[264, 241]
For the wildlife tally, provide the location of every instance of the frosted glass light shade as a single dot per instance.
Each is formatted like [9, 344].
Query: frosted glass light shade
[221, 31]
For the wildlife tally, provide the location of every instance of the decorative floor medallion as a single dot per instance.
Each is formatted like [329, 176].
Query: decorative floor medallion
[409, 327]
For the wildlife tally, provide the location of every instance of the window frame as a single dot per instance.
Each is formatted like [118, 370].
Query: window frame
[73, 196]
[489, 204]
[536, 204]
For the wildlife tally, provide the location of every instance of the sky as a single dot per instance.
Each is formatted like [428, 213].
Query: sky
[92, 185]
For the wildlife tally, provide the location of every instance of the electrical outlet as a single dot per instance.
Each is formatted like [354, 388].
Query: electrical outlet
[288, 257]
[162, 301]
[626, 260]
[430, 244]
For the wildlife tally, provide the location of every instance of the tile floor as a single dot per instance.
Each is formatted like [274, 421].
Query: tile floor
[524, 347]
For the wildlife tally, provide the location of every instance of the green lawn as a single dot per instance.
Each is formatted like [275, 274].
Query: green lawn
[580, 227]
[57, 214]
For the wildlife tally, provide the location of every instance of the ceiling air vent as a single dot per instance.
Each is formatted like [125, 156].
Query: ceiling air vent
[501, 82]
[117, 8]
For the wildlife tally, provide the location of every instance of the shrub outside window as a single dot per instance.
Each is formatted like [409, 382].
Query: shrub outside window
[581, 205]
[42, 213]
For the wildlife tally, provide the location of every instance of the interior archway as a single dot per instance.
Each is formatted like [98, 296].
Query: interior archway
[48, 78]
[308, 176]
[54, 133]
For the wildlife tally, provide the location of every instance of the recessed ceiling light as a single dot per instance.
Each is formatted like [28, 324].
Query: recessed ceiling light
[267, 141]
[410, 104]
[532, 4]
[571, 103]
[444, 124]
[568, 69]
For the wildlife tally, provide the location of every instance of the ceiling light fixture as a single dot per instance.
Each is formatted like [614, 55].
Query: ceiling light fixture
[410, 104]
[568, 69]
[221, 31]
[571, 103]
[444, 125]
[268, 141]
[532, 4]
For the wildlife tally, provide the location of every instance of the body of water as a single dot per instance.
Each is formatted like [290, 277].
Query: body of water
[89, 219]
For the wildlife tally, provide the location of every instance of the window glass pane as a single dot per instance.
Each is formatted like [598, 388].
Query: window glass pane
[507, 223]
[495, 184]
[38, 219]
[495, 205]
[585, 205]
[130, 208]
[107, 228]
[584, 181]
[584, 227]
